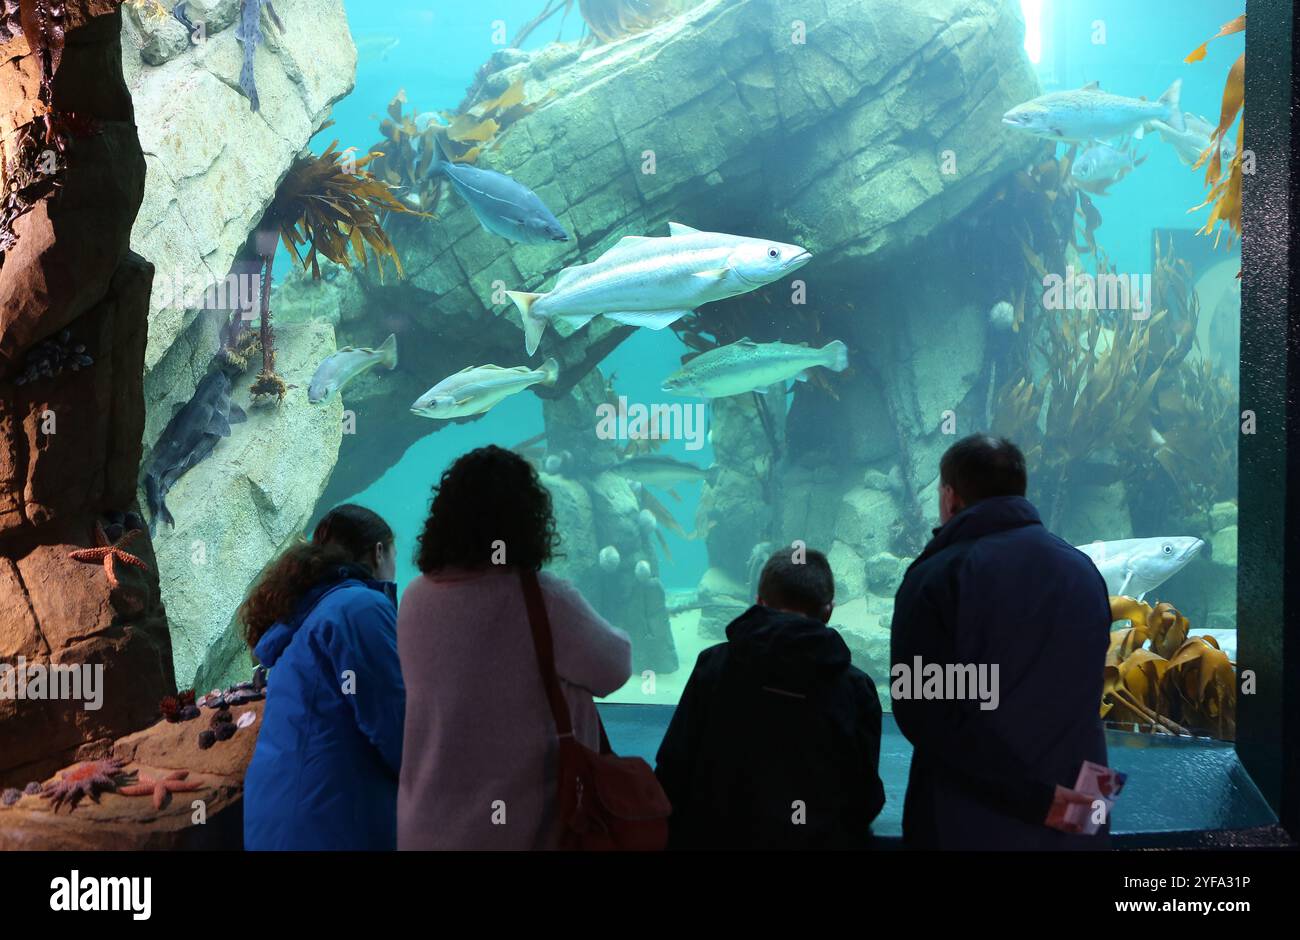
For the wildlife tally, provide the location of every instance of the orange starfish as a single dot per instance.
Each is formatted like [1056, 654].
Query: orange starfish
[106, 551]
[160, 787]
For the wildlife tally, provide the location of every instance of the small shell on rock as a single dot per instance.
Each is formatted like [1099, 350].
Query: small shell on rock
[222, 717]
[226, 731]
[212, 700]
[259, 678]
[642, 571]
[207, 739]
[608, 558]
[189, 713]
[33, 788]
[246, 719]
[11, 796]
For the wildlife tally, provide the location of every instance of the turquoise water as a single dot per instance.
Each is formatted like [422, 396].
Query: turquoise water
[1131, 49]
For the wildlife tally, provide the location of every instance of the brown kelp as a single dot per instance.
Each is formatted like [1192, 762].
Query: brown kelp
[1224, 197]
[1160, 678]
[330, 205]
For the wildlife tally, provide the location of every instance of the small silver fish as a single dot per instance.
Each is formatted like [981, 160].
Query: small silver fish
[1102, 166]
[661, 470]
[340, 368]
[747, 366]
[1190, 143]
[502, 205]
[477, 389]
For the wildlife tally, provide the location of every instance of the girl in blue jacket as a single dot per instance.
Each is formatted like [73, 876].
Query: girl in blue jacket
[323, 620]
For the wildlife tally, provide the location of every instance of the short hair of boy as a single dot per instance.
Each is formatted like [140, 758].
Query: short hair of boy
[797, 579]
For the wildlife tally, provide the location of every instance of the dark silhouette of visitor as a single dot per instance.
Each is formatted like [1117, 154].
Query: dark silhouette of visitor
[776, 740]
[994, 590]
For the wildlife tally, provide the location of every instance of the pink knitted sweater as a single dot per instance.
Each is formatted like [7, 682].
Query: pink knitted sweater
[478, 756]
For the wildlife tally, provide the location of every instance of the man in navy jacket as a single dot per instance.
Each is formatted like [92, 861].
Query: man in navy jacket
[995, 590]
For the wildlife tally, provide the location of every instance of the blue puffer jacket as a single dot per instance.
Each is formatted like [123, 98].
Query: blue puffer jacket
[324, 774]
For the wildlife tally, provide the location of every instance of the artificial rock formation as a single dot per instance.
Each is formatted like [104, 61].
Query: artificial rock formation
[213, 167]
[208, 817]
[70, 442]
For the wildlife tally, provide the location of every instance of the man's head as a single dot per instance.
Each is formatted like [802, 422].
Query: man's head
[978, 467]
[798, 580]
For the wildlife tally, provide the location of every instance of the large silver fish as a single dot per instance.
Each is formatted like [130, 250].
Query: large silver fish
[340, 368]
[1136, 566]
[502, 205]
[249, 34]
[747, 366]
[1088, 113]
[476, 389]
[653, 282]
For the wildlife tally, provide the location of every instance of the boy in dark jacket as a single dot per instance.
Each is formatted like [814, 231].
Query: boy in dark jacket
[995, 590]
[776, 739]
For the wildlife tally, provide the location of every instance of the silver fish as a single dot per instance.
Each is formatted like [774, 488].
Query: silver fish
[339, 368]
[502, 205]
[1194, 140]
[1088, 113]
[249, 34]
[662, 471]
[1136, 566]
[375, 47]
[747, 366]
[1102, 166]
[476, 389]
[653, 282]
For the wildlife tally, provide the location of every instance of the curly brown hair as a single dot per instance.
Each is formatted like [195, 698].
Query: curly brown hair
[488, 496]
[345, 536]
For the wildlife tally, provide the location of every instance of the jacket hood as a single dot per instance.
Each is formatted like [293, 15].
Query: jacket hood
[787, 647]
[275, 640]
[995, 514]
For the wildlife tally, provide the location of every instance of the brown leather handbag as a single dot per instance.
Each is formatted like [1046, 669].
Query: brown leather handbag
[606, 803]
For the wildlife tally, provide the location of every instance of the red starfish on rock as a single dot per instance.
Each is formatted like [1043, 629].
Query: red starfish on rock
[105, 551]
[160, 787]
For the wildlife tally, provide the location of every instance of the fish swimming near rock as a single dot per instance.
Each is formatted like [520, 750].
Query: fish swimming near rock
[1136, 566]
[1194, 140]
[502, 205]
[1088, 113]
[477, 389]
[341, 367]
[654, 282]
[249, 34]
[375, 47]
[1102, 166]
[662, 471]
[747, 366]
[190, 436]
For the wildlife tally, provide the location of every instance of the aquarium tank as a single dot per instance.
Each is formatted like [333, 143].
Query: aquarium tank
[384, 234]
[945, 270]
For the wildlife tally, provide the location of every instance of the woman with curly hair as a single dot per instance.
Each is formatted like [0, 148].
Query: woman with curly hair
[322, 619]
[480, 743]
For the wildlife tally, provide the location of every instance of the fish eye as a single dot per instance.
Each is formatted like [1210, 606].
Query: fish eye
[773, 253]
[1169, 549]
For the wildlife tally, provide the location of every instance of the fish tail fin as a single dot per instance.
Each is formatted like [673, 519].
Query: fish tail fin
[552, 370]
[389, 351]
[837, 355]
[534, 327]
[1170, 100]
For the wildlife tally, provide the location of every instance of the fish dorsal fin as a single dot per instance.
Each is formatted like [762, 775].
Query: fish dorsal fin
[347, 349]
[625, 244]
[746, 341]
[677, 228]
[1093, 85]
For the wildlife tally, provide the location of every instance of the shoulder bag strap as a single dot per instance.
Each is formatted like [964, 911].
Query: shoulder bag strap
[540, 624]
[542, 642]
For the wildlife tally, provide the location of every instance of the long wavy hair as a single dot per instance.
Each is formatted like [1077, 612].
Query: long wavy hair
[489, 498]
[345, 536]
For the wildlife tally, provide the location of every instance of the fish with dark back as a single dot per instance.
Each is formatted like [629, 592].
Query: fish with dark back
[249, 34]
[191, 434]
